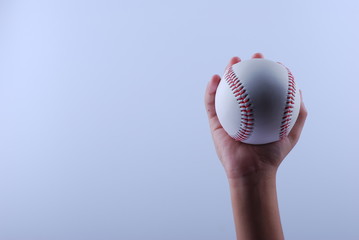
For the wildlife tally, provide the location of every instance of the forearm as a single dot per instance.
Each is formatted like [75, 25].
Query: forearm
[255, 207]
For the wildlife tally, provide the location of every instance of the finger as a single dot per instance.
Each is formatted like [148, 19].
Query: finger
[210, 96]
[258, 55]
[233, 61]
[299, 124]
[212, 88]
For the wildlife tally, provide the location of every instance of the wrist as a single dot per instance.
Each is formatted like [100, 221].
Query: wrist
[261, 177]
[249, 169]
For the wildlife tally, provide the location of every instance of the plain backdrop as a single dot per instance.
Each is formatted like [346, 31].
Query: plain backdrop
[103, 132]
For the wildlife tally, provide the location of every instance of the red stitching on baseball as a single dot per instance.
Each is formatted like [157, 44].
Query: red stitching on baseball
[287, 112]
[239, 92]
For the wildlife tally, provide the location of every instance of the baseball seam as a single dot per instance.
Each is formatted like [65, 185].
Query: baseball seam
[288, 109]
[245, 105]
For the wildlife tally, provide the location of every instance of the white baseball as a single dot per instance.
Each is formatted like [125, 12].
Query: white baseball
[257, 101]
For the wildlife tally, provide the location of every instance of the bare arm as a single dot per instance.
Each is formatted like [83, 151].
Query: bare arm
[255, 207]
[251, 172]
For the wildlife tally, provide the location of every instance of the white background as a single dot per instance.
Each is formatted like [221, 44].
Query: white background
[103, 132]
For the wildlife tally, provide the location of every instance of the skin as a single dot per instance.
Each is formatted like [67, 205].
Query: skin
[251, 171]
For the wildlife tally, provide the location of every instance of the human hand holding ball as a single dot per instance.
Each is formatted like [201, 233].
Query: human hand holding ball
[256, 115]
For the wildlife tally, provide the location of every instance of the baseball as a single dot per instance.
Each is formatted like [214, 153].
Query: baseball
[257, 101]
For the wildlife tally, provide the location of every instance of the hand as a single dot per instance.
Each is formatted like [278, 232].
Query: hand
[240, 159]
